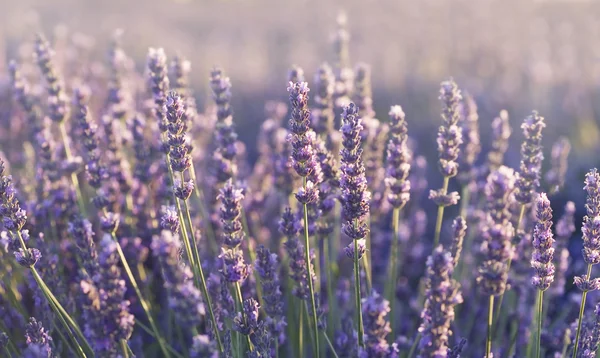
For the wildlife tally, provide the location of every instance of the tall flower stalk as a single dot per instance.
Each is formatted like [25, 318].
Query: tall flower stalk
[496, 248]
[528, 177]
[542, 259]
[355, 199]
[14, 218]
[305, 163]
[591, 245]
[399, 158]
[169, 112]
[449, 140]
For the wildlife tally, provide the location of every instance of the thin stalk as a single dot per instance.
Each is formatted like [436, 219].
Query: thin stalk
[310, 281]
[124, 348]
[70, 342]
[440, 215]
[301, 334]
[465, 194]
[393, 274]
[212, 241]
[66, 319]
[331, 348]
[74, 180]
[238, 292]
[566, 343]
[540, 300]
[519, 221]
[202, 278]
[7, 352]
[514, 331]
[358, 302]
[581, 309]
[331, 313]
[367, 259]
[413, 348]
[488, 344]
[148, 331]
[138, 292]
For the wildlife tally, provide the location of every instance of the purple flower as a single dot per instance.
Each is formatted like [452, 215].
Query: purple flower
[528, 178]
[363, 97]
[323, 115]
[399, 159]
[449, 135]
[231, 206]
[246, 322]
[497, 232]
[543, 252]
[158, 82]
[57, 99]
[298, 267]
[442, 294]
[591, 222]
[375, 309]
[225, 135]
[266, 266]
[170, 219]
[459, 228]
[471, 142]
[555, 177]
[38, 340]
[184, 299]
[234, 269]
[355, 197]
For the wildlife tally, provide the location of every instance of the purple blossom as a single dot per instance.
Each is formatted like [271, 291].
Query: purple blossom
[471, 146]
[449, 135]
[399, 159]
[559, 156]
[442, 294]
[528, 178]
[543, 252]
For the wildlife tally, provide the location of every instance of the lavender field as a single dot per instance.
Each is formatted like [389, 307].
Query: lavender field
[309, 179]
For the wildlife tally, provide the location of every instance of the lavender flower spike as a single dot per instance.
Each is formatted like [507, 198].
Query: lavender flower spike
[399, 158]
[450, 135]
[543, 252]
[528, 178]
[442, 294]
[559, 156]
[591, 244]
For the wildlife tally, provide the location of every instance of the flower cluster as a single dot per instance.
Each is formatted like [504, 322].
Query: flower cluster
[399, 158]
[225, 135]
[497, 233]
[355, 197]
[528, 177]
[234, 268]
[543, 252]
[442, 294]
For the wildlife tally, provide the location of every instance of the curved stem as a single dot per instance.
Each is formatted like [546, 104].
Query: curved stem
[488, 345]
[317, 349]
[413, 348]
[138, 292]
[393, 274]
[540, 300]
[359, 319]
[440, 215]
[581, 309]
[74, 180]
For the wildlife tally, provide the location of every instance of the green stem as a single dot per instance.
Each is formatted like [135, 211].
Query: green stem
[464, 201]
[74, 180]
[301, 334]
[317, 349]
[212, 241]
[151, 334]
[330, 294]
[124, 348]
[367, 258]
[358, 302]
[145, 305]
[240, 299]
[440, 215]
[70, 342]
[331, 348]
[393, 274]
[200, 273]
[252, 254]
[581, 309]
[540, 300]
[413, 348]
[488, 345]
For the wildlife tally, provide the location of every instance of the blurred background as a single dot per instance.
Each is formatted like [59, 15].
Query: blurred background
[509, 54]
